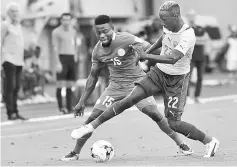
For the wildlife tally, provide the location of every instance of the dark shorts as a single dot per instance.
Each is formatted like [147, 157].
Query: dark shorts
[173, 87]
[115, 92]
[68, 72]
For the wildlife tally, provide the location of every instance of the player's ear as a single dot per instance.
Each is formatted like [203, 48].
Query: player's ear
[176, 15]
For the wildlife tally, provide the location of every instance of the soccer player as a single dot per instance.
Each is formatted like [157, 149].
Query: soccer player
[64, 46]
[170, 75]
[113, 50]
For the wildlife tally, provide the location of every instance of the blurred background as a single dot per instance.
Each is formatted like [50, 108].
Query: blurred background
[41, 17]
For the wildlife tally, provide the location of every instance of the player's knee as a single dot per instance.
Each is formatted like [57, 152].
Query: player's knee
[174, 124]
[153, 113]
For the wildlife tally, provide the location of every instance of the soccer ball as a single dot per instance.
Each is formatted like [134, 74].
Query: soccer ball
[102, 151]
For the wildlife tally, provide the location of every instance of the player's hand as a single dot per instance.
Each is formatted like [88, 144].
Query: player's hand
[79, 109]
[59, 67]
[140, 53]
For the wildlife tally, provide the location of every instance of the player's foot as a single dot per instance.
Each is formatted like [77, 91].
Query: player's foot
[198, 100]
[211, 147]
[72, 156]
[189, 100]
[185, 149]
[82, 131]
[18, 116]
[63, 110]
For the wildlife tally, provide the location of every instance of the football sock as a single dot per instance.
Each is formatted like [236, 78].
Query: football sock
[59, 98]
[187, 130]
[164, 126]
[81, 142]
[207, 139]
[69, 99]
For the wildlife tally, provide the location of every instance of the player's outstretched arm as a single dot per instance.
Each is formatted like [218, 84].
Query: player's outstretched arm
[90, 86]
[174, 56]
[167, 59]
[156, 45]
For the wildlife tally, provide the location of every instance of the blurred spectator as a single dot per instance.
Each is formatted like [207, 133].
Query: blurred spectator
[12, 48]
[229, 50]
[33, 79]
[65, 50]
[198, 57]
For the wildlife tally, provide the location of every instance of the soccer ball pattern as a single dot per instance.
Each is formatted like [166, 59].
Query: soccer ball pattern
[102, 151]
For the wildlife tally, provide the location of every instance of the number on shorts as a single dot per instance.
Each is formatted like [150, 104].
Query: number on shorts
[108, 101]
[172, 102]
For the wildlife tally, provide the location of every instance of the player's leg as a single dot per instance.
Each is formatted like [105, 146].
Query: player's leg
[143, 89]
[74, 155]
[71, 77]
[200, 72]
[108, 97]
[137, 94]
[61, 82]
[117, 108]
[175, 99]
[148, 107]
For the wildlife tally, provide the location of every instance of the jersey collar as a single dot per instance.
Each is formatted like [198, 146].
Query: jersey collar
[185, 26]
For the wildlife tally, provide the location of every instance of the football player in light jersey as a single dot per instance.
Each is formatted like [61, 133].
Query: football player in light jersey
[113, 50]
[170, 76]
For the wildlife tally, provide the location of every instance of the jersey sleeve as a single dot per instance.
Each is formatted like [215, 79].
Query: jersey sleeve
[187, 41]
[95, 60]
[144, 44]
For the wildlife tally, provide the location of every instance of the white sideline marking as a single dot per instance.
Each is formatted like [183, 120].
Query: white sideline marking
[49, 118]
[38, 132]
[44, 131]
[160, 105]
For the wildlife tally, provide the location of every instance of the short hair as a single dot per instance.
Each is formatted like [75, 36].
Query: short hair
[12, 4]
[102, 19]
[66, 14]
[169, 6]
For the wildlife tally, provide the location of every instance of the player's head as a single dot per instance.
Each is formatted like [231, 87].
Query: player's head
[104, 29]
[170, 15]
[66, 19]
[13, 11]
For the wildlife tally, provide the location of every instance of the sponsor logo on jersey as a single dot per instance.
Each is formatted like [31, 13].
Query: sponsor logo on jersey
[121, 52]
[97, 102]
[175, 43]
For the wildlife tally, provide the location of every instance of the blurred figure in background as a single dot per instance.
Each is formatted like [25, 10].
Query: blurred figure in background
[229, 49]
[33, 79]
[12, 50]
[198, 57]
[64, 44]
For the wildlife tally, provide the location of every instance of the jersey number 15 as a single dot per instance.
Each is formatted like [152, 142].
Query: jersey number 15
[116, 61]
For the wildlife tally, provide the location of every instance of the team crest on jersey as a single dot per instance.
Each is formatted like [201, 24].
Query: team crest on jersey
[121, 52]
[175, 43]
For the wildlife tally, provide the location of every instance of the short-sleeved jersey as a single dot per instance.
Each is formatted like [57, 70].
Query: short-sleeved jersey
[65, 40]
[183, 41]
[120, 58]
